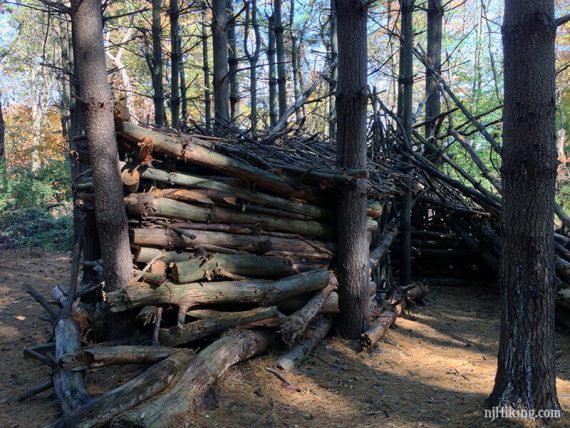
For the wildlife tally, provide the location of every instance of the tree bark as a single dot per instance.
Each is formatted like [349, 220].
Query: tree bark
[318, 331]
[169, 408]
[280, 50]
[156, 69]
[242, 265]
[152, 381]
[145, 204]
[195, 330]
[351, 104]
[97, 106]
[526, 372]
[334, 72]
[261, 292]
[257, 244]
[206, 68]
[273, 113]
[116, 355]
[221, 68]
[433, 102]
[253, 57]
[232, 63]
[405, 93]
[295, 59]
[175, 58]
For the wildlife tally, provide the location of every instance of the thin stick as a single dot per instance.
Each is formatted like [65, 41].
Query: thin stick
[54, 313]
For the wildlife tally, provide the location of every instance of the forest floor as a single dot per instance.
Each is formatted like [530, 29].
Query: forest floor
[434, 369]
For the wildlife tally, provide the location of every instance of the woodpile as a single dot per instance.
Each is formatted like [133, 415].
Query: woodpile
[233, 250]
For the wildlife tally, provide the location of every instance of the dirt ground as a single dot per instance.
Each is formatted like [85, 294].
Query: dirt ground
[434, 369]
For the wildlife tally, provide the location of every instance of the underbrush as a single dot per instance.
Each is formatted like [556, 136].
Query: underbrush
[50, 229]
[35, 208]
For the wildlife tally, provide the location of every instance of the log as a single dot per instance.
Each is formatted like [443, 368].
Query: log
[378, 252]
[330, 305]
[69, 385]
[211, 197]
[169, 408]
[257, 244]
[147, 205]
[187, 195]
[261, 292]
[131, 178]
[240, 192]
[184, 148]
[318, 331]
[100, 411]
[245, 265]
[295, 325]
[379, 327]
[196, 330]
[149, 277]
[115, 355]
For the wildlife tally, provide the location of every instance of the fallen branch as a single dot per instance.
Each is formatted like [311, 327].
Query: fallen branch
[317, 332]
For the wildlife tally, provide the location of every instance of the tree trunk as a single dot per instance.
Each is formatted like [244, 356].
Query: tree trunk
[206, 67]
[183, 88]
[97, 107]
[84, 222]
[273, 114]
[334, 72]
[253, 58]
[351, 101]
[433, 102]
[221, 69]
[175, 57]
[232, 63]
[280, 47]
[295, 63]
[526, 372]
[406, 81]
[156, 69]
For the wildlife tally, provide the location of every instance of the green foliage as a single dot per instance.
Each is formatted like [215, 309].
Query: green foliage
[35, 209]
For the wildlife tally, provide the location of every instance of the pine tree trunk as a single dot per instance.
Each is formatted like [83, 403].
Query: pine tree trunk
[253, 58]
[273, 114]
[183, 89]
[280, 46]
[351, 103]
[206, 68]
[97, 106]
[526, 363]
[406, 81]
[175, 56]
[156, 70]
[84, 223]
[295, 63]
[221, 69]
[232, 63]
[334, 73]
[433, 102]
